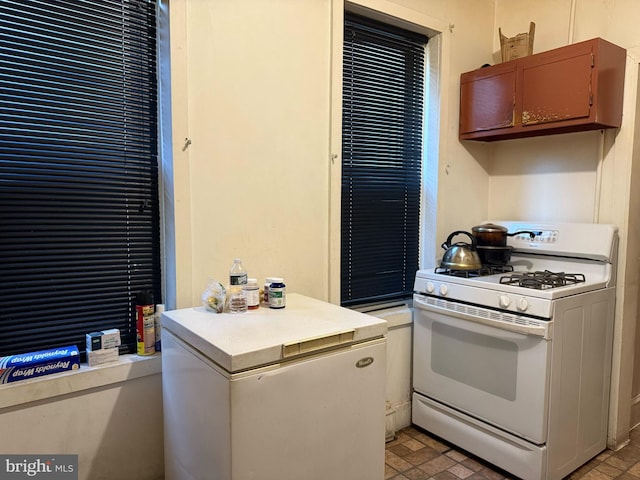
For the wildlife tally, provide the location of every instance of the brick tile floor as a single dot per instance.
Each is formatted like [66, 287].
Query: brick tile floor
[416, 455]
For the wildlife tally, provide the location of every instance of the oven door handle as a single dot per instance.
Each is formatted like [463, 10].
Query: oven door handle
[491, 318]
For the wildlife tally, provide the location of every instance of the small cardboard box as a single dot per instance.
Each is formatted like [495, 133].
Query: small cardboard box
[36, 364]
[104, 339]
[102, 356]
[519, 46]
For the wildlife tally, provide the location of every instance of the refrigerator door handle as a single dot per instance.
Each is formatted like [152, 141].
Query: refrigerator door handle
[314, 344]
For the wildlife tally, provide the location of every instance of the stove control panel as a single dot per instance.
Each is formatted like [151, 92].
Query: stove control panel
[577, 240]
[545, 236]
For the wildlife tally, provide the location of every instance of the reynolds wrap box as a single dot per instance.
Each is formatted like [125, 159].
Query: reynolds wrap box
[36, 364]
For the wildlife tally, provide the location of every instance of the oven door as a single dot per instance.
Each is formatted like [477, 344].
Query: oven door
[495, 373]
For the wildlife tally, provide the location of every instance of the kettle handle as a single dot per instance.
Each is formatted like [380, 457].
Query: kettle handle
[447, 243]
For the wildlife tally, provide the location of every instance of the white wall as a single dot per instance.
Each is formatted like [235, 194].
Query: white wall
[252, 96]
[545, 178]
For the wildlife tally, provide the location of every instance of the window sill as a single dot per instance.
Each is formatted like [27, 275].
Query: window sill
[128, 367]
[396, 314]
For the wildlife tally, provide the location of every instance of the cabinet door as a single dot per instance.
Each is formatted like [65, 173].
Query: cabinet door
[557, 90]
[487, 98]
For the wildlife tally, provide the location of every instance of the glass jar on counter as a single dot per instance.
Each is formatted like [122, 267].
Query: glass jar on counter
[237, 299]
[252, 293]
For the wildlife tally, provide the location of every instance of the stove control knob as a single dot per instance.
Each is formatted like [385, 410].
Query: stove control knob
[522, 304]
[430, 288]
[444, 290]
[504, 301]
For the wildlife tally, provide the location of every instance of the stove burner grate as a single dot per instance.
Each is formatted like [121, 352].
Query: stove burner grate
[480, 272]
[542, 279]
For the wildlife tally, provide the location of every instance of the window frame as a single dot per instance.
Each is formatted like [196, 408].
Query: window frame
[438, 92]
[383, 89]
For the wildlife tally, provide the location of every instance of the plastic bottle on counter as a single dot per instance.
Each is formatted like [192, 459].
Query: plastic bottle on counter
[252, 292]
[237, 273]
[157, 326]
[277, 293]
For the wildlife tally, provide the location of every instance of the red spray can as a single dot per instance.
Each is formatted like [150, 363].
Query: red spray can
[145, 317]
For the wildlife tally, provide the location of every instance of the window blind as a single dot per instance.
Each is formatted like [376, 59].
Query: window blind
[79, 208]
[383, 96]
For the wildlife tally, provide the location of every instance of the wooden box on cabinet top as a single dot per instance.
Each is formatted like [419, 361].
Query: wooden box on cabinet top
[569, 89]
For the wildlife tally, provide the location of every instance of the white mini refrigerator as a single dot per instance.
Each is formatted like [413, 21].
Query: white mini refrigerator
[293, 393]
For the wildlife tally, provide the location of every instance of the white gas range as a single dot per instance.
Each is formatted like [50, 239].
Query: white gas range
[512, 363]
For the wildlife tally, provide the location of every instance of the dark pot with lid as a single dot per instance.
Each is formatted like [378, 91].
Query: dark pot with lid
[491, 235]
[494, 255]
[460, 255]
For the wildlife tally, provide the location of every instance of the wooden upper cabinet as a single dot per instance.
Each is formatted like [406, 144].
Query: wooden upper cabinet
[569, 89]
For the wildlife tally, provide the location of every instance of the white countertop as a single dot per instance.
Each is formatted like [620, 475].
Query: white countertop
[262, 336]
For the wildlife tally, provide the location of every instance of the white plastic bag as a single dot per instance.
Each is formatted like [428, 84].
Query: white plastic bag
[214, 296]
